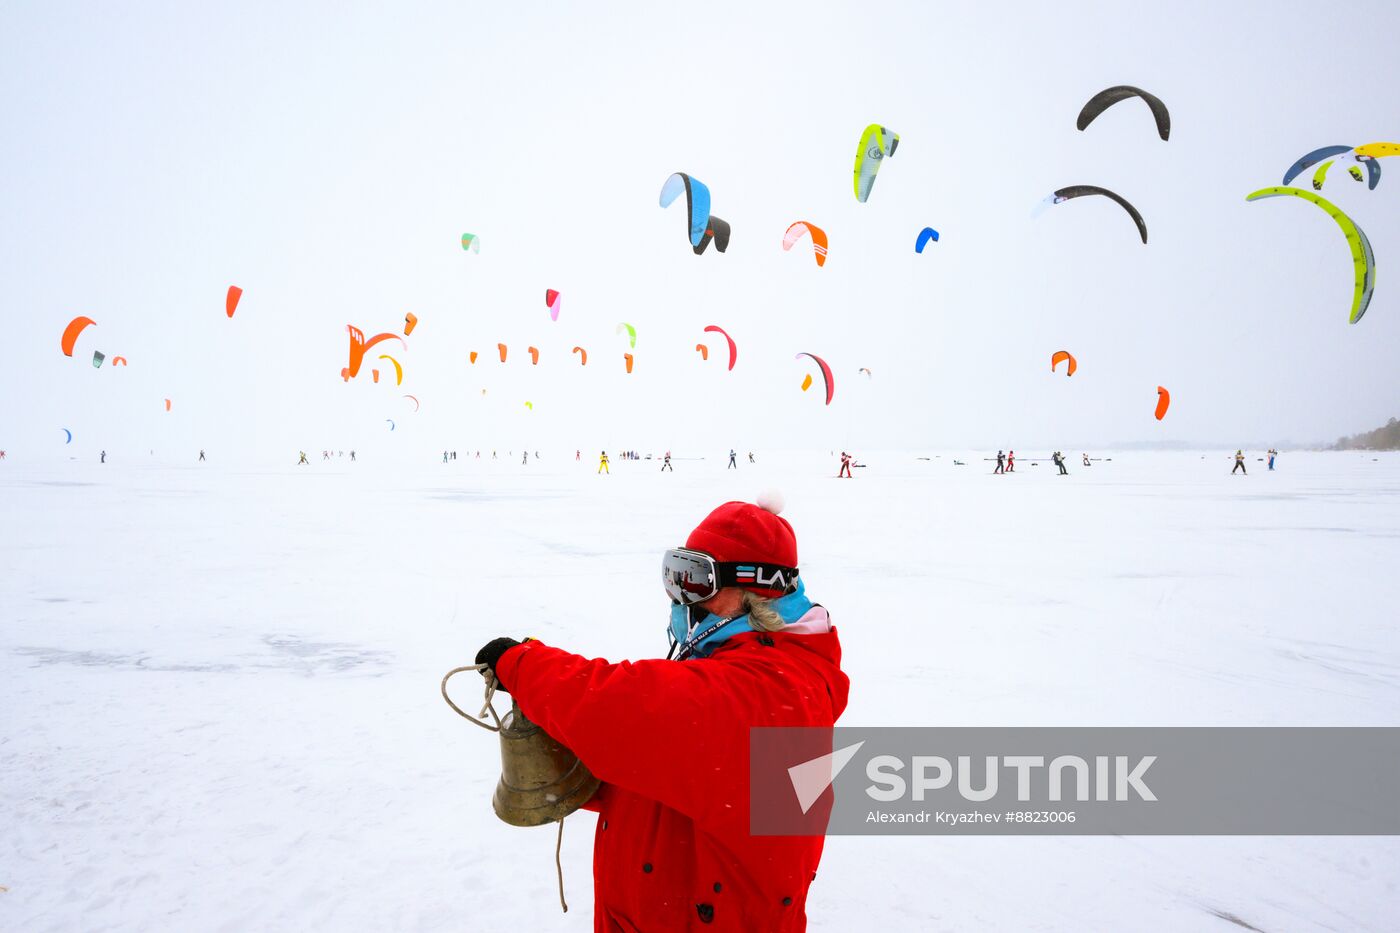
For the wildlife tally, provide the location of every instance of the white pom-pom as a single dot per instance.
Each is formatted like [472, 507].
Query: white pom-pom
[771, 500]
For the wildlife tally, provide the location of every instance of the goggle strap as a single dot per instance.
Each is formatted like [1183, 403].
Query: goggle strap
[764, 576]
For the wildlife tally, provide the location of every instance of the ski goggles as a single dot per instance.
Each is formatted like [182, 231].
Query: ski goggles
[692, 577]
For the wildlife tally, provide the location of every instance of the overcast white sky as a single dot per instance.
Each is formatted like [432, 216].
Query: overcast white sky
[328, 157]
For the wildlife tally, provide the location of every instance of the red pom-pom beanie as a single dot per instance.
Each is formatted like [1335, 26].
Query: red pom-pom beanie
[738, 532]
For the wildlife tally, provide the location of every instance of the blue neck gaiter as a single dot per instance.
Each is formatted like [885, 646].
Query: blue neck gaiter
[699, 638]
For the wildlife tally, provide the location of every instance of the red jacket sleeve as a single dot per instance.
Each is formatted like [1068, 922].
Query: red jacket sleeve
[675, 732]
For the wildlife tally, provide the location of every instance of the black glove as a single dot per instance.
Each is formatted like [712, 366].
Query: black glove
[490, 654]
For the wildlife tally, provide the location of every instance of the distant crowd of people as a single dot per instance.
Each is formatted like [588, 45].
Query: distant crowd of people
[1239, 466]
[302, 460]
[1005, 460]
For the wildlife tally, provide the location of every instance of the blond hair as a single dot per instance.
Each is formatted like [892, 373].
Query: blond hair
[762, 616]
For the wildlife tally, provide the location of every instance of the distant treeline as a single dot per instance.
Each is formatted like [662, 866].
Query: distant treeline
[1386, 438]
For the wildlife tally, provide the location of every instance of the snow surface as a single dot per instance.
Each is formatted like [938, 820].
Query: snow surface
[219, 701]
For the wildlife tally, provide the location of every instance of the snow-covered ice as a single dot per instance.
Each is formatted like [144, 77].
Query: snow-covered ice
[219, 701]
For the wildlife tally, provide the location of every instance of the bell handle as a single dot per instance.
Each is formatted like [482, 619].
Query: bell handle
[487, 707]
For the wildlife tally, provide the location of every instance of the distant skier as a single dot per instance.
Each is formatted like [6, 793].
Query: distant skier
[732, 464]
[751, 459]
[444, 456]
[578, 455]
[303, 460]
[104, 456]
[666, 464]
[1059, 460]
[2, 455]
[845, 466]
[1001, 463]
[603, 463]
[352, 456]
[524, 458]
[1272, 454]
[1086, 459]
[1011, 461]
[1239, 464]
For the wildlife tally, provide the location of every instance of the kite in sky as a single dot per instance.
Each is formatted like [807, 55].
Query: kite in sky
[1112, 95]
[877, 143]
[818, 235]
[1362, 259]
[826, 374]
[1061, 356]
[1079, 191]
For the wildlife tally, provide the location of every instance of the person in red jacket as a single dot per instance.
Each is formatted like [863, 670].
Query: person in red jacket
[669, 738]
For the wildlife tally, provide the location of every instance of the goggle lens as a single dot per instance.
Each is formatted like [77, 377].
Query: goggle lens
[689, 576]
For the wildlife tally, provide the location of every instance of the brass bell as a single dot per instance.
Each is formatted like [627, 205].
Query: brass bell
[541, 780]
